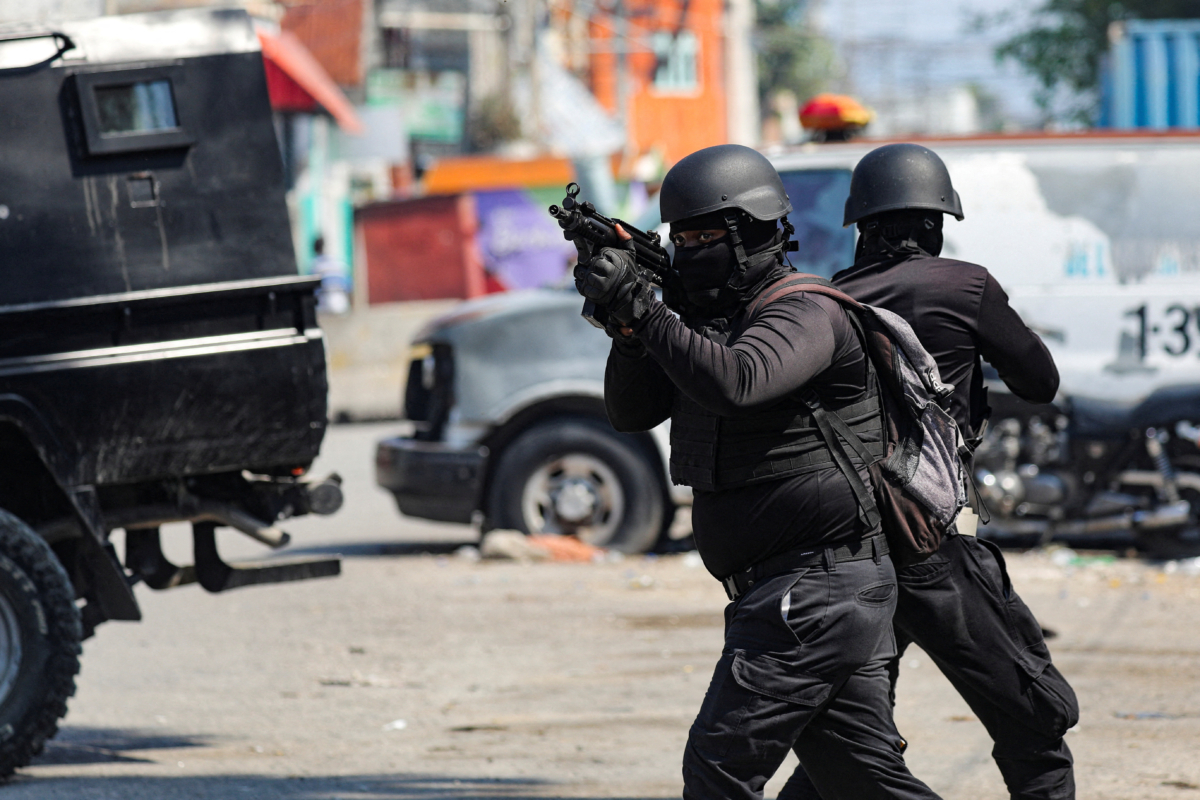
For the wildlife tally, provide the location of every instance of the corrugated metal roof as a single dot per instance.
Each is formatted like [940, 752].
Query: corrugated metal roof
[1152, 79]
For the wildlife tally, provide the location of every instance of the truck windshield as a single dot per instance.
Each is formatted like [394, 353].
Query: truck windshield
[136, 107]
[818, 200]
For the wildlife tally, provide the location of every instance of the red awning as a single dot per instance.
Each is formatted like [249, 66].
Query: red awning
[297, 82]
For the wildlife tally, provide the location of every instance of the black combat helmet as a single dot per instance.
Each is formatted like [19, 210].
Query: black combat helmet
[899, 177]
[728, 176]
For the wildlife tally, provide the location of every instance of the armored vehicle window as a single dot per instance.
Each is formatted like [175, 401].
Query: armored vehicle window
[128, 110]
[136, 107]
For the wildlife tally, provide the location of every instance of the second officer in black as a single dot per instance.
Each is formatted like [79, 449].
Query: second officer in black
[958, 604]
[808, 631]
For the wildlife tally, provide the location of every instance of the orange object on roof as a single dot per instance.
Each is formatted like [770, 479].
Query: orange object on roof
[833, 112]
[297, 82]
[450, 175]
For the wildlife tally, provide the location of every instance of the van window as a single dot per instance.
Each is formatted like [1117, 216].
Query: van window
[818, 201]
[136, 107]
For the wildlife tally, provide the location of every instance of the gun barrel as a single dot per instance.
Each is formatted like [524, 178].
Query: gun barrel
[582, 219]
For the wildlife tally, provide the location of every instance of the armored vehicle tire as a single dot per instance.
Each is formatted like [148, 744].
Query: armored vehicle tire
[40, 631]
[578, 476]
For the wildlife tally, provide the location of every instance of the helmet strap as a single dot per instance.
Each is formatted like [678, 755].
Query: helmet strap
[789, 230]
[743, 262]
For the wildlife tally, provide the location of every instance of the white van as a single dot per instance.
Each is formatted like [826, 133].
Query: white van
[1096, 239]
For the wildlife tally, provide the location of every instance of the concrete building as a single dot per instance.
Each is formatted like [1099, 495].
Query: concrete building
[679, 75]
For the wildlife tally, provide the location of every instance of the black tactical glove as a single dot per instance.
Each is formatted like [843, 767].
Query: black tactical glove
[624, 343]
[611, 280]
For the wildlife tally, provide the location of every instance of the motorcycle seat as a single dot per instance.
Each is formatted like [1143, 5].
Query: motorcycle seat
[1094, 418]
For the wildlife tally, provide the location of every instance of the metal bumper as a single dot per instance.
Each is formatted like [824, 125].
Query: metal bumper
[429, 479]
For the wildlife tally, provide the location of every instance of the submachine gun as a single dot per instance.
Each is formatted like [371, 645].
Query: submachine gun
[589, 230]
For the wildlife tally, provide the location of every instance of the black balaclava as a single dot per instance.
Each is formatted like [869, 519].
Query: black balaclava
[900, 233]
[706, 271]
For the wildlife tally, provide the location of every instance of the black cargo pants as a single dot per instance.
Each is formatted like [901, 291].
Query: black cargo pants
[960, 608]
[804, 667]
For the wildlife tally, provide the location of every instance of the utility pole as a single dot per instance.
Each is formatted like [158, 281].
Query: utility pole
[741, 74]
[527, 45]
[621, 40]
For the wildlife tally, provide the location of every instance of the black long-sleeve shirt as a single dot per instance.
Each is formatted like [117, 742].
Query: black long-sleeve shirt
[799, 340]
[960, 313]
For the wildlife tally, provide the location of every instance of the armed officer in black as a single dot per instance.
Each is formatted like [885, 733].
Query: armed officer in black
[807, 634]
[958, 604]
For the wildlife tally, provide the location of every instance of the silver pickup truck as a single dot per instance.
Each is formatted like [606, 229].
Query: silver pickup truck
[507, 395]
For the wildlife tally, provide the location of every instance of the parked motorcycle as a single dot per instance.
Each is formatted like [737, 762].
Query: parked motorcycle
[1085, 468]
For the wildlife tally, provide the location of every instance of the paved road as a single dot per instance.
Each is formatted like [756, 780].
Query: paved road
[432, 676]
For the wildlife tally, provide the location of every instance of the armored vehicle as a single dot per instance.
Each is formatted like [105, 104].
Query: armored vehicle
[160, 359]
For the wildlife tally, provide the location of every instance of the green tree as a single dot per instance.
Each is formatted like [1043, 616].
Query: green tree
[792, 55]
[1067, 39]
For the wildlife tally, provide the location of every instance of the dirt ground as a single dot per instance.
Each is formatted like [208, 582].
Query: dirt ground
[437, 676]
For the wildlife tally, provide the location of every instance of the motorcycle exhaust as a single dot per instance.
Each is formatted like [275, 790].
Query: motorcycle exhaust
[1175, 515]
[1169, 516]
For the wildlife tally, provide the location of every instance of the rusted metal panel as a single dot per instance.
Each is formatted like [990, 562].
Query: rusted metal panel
[422, 249]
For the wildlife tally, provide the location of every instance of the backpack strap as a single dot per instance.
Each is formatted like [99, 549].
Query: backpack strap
[830, 425]
[800, 282]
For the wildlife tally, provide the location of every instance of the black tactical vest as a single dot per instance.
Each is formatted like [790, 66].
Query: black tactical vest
[711, 452]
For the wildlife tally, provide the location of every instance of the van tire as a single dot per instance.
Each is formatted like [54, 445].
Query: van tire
[578, 476]
[40, 634]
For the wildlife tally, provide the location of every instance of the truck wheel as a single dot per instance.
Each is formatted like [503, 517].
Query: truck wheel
[40, 631]
[579, 477]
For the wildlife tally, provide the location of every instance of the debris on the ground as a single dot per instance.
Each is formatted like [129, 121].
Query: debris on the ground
[356, 679]
[511, 545]
[516, 546]
[396, 725]
[468, 552]
[1188, 566]
[567, 548]
[641, 582]
[1062, 556]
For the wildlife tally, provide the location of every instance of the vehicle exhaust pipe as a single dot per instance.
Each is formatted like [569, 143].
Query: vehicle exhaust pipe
[324, 497]
[202, 511]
